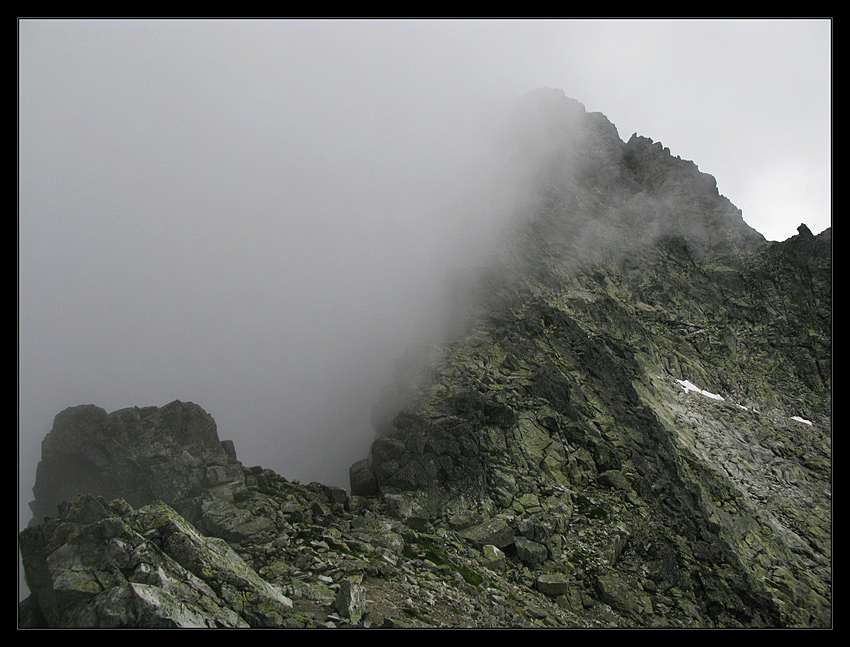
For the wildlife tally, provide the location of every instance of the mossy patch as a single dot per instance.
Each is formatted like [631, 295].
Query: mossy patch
[418, 548]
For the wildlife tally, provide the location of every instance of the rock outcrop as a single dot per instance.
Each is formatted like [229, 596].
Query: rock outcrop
[630, 429]
[276, 554]
[100, 565]
[138, 454]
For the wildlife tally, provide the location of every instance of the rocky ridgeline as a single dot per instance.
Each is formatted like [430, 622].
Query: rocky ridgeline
[261, 551]
[631, 429]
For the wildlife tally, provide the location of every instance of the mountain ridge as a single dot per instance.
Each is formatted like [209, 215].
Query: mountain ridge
[628, 425]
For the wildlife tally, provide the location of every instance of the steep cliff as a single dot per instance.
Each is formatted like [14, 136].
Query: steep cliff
[630, 427]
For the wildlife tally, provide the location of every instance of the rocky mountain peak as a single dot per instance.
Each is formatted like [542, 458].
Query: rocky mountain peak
[805, 231]
[631, 428]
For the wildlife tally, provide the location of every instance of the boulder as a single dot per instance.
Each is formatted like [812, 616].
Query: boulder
[362, 478]
[553, 584]
[496, 532]
[530, 552]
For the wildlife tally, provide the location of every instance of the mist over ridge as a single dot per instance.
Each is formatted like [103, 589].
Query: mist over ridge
[268, 269]
[281, 289]
[258, 221]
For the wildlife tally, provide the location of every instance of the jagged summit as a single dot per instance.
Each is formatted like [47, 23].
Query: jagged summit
[803, 230]
[630, 427]
[591, 195]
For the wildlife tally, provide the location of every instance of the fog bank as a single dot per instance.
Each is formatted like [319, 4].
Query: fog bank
[258, 216]
[245, 216]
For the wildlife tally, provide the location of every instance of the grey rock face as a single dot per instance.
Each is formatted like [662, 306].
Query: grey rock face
[137, 454]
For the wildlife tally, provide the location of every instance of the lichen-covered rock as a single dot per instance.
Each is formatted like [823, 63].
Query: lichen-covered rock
[350, 600]
[553, 584]
[496, 532]
[107, 565]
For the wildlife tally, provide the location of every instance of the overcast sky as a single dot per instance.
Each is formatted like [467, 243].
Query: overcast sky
[255, 215]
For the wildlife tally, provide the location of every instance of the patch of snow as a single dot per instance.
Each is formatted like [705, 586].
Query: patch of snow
[690, 386]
